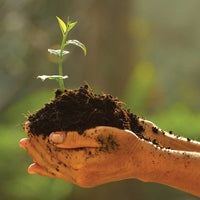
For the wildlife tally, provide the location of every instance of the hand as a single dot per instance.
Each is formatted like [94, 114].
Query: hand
[99, 155]
[105, 154]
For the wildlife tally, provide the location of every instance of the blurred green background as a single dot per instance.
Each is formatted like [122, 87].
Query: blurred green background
[146, 52]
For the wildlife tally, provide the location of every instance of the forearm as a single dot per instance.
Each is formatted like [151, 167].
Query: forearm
[168, 140]
[177, 169]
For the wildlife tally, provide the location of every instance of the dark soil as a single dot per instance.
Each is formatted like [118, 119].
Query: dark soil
[155, 130]
[81, 109]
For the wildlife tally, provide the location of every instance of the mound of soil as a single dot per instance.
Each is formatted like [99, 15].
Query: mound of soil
[81, 109]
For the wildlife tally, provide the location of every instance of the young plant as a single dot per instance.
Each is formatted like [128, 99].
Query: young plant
[65, 28]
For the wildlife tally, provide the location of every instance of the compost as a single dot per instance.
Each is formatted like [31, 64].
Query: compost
[81, 109]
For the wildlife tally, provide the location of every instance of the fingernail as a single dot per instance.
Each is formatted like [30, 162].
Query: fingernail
[56, 138]
[31, 169]
[23, 143]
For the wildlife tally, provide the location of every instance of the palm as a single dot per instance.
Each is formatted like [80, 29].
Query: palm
[97, 156]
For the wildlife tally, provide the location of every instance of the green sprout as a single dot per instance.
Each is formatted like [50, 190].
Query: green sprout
[65, 28]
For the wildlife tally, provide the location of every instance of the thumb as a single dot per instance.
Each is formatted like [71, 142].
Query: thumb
[73, 139]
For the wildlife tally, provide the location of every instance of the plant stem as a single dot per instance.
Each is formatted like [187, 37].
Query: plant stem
[61, 82]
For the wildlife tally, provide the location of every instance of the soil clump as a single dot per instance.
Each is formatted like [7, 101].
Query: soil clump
[81, 109]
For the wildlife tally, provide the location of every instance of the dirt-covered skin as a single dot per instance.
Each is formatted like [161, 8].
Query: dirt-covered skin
[81, 109]
[106, 154]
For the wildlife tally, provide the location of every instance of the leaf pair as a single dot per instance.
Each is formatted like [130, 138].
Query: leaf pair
[73, 42]
[65, 28]
[57, 52]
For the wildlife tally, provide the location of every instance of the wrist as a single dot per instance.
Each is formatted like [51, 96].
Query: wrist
[144, 162]
[177, 169]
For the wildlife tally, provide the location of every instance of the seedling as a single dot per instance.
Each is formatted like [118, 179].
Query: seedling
[65, 28]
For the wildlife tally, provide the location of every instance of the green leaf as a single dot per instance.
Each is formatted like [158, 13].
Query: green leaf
[77, 43]
[55, 77]
[57, 52]
[70, 25]
[62, 25]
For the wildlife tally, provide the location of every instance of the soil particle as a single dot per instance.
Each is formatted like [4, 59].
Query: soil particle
[108, 142]
[81, 109]
[188, 139]
[155, 129]
[155, 142]
[112, 142]
[100, 140]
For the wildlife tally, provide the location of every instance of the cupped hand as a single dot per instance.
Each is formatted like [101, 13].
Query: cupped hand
[97, 156]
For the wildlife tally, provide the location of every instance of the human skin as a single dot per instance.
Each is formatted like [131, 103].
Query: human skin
[106, 154]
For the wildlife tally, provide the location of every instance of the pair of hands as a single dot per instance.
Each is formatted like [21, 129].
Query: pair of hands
[106, 154]
[99, 155]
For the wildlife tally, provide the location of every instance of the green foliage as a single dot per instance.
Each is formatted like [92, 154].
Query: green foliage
[62, 25]
[54, 77]
[77, 43]
[57, 52]
[70, 25]
[65, 28]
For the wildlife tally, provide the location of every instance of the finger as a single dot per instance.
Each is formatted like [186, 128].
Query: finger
[37, 149]
[26, 127]
[166, 140]
[50, 159]
[46, 159]
[101, 136]
[46, 154]
[37, 169]
[37, 154]
[73, 139]
[24, 142]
